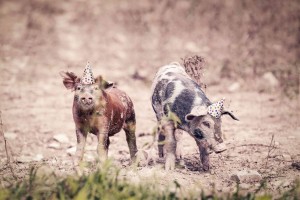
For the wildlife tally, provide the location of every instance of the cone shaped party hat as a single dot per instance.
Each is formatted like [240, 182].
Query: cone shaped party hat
[216, 109]
[87, 77]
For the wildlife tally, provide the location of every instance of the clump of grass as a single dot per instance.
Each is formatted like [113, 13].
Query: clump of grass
[106, 183]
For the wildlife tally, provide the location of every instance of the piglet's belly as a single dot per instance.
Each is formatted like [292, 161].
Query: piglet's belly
[115, 128]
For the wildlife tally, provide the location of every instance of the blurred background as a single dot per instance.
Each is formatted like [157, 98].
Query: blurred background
[242, 42]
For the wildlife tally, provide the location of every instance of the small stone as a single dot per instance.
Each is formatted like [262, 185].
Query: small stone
[296, 165]
[257, 185]
[24, 159]
[3, 160]
[71, 151]
[212, 172]
[44, 171]
[192, 47]
[277, 184]
[38, 157]
[54, 145]
[286, 157]
[5, 184]
[291, 137]
[62, 138]
[270, 79]
[226, 190]
[276, 143]
[139, 75]
[234, 87]
[244, 186]
[220, 148]
[10, 135]
[90, 148]
[286, 184]
[273, 173]
[246, 176]
[47, 174]
[46, 131]
[90, 157]
[121, 38]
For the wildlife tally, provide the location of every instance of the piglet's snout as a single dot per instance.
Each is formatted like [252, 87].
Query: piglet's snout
[218, 139]
[87, 100]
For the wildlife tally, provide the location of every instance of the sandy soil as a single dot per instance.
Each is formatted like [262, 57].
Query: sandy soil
[43, 39]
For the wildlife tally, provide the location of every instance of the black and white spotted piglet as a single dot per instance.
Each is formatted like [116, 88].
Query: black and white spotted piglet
[174, 93]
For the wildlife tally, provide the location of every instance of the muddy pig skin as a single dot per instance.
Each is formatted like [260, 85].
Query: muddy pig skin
[180, 104]
[103, 110]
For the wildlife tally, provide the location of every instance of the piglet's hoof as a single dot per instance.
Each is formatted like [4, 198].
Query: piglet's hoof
[220, 148]
[141, 159]
[170, 162]
[206, 167]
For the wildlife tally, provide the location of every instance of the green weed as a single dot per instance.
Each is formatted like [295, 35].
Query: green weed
[106, 183]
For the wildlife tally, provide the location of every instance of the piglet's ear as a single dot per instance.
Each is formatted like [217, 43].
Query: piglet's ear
[69, 79]
[103, 83]
[196, 112]
[189, 117]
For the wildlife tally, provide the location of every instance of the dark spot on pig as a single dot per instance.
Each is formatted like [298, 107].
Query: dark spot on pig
[170, 74]
[183, 104]
[188, 83]
[94, 130]
[166, 109]
[77, 136]
[131, 118]
[76, 97]
[205, 100]
[156, 98]
[169, 90]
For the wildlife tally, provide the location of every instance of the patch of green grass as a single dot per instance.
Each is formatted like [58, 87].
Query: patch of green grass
[106, 183]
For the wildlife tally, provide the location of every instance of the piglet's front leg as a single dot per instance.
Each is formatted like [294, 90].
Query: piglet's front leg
[169, 145]
[204, 153]
[81, 140]
[103, 144]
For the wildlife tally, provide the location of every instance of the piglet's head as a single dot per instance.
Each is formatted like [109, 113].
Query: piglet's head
[205, 125]
[88, 91]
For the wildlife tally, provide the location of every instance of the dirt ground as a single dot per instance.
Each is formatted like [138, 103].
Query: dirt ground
[126, 43]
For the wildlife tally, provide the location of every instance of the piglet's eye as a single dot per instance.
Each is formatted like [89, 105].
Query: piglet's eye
[207, 124]
[78, 88]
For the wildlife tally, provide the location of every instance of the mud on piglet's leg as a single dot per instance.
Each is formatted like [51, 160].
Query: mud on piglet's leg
[204, 153]
[169, 144]
[131, 139]
[81, 140]
[103, 144]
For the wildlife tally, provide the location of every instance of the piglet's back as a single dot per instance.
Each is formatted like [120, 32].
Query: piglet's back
[120, 102]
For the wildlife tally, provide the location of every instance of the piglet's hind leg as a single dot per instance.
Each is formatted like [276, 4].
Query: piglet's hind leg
[131, 139]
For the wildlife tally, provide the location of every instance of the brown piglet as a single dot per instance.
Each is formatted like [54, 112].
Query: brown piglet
[101, 109]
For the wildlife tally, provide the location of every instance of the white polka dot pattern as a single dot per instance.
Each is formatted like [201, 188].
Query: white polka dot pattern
[87, 77]
[216, 109]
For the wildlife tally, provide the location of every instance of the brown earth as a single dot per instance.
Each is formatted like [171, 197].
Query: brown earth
[127, 42]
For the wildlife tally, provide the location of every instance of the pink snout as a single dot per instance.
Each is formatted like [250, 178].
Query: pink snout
[86, 100]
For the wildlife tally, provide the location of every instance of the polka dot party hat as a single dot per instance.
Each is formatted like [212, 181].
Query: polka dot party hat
[216, 109]
[87, 77]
